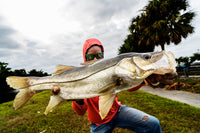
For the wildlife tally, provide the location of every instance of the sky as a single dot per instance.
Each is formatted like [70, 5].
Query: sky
[40, 34]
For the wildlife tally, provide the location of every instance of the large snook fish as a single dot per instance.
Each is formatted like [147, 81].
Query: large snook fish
[104, 78]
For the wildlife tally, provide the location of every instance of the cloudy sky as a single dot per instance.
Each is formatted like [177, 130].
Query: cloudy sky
[39, 34]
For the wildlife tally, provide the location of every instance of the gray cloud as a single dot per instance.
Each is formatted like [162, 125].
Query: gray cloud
[5, 36]
[3, 53]
[110, 8]
[97, 12]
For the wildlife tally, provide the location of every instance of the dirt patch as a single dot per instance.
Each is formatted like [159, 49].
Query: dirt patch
[178, 85]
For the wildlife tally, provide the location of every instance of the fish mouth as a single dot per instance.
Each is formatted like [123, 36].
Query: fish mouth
[166, 64]
[160, 63]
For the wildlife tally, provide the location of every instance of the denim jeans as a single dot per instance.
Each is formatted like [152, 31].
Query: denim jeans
[131, 119]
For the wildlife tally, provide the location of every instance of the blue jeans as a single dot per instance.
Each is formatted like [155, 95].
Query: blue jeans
[131, 119]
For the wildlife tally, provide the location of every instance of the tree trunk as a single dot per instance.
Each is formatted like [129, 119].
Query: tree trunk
[162, 47]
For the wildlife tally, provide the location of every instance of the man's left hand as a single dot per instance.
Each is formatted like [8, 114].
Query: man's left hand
[160, 81]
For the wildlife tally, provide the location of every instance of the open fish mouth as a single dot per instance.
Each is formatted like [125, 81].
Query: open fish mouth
[159, 63]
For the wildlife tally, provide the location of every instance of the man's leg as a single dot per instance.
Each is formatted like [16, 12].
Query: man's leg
[136, 120]
[104, 128]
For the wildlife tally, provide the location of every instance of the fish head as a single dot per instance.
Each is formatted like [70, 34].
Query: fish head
[158, 62]
[141, 65]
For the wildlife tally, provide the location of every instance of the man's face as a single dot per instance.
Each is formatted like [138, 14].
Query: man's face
[94, 50]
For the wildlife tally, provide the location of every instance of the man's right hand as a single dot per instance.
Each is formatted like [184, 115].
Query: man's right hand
[80, 101]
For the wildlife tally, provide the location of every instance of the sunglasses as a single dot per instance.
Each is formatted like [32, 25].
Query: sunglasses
[91, 56]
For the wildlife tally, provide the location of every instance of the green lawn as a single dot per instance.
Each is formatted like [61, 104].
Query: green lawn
[174, 117]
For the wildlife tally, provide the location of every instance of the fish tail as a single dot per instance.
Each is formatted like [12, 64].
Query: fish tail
[22, 84]
[18, 82]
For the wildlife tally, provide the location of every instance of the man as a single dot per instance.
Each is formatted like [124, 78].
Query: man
[119, 115]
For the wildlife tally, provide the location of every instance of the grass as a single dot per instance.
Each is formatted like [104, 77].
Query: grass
[175, 117]
[194, 82]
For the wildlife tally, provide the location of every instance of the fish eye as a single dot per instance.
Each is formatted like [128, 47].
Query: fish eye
[147, 57]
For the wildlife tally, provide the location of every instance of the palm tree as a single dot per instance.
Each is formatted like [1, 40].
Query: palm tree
[164, 21]
[130, 45]
[131, 42]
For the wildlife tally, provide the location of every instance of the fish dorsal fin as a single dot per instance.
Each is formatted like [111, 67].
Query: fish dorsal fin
[87, 63]
[105, 103]
[61, 68]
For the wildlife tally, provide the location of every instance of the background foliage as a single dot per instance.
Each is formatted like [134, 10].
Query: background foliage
[161, 22]
[7, 93]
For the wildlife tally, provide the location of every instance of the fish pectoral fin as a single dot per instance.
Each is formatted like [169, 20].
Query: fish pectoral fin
[61, 68]
[54, 101]
[105, 103]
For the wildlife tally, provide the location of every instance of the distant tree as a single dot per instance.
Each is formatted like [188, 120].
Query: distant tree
[196, 56]
[20, 72]
[179, 60]
[6, 93]
[4, 72]
[34, 72]
[187, 61]
[4, 67]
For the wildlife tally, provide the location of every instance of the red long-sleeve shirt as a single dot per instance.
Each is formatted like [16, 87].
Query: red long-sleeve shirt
[91, 105]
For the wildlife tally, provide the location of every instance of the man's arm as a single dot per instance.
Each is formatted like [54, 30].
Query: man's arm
[135, 88]
[79, 106]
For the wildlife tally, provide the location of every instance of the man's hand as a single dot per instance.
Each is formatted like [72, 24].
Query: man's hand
[156, 80]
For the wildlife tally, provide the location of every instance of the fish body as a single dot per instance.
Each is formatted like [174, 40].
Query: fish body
[104, 78]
